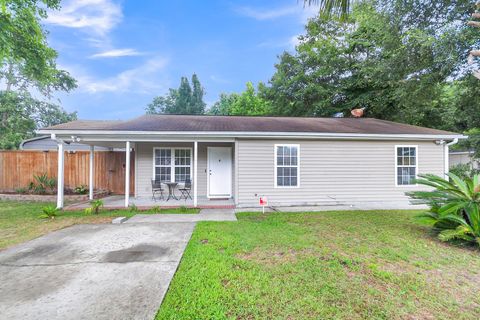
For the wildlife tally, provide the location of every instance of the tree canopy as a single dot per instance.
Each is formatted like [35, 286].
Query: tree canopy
[183, 100]
[394, 67]
[26, 59]
[28, 63]
[250, 103]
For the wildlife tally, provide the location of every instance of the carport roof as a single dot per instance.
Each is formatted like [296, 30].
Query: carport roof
[204, 123]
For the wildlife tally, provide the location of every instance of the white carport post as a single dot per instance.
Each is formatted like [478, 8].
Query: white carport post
[90, 173]
[195, 175]
[60, 175]
[127, 173]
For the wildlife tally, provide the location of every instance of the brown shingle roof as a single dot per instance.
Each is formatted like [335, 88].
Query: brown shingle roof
[251, 124]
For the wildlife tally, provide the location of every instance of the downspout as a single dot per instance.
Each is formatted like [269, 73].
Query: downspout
[446, 156]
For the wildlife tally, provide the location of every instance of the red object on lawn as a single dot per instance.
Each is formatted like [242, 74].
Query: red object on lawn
[263, 201]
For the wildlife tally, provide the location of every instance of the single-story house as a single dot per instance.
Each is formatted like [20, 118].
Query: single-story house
[290, 161]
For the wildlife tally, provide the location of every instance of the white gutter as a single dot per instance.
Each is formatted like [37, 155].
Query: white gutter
[238, 134]
[446, 156]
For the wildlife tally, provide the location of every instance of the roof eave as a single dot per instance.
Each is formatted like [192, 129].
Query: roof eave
[138, 135]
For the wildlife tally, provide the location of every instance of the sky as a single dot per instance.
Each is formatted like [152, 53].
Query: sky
[124, 53]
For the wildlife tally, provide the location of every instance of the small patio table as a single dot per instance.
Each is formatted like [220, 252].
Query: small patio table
[171, 190]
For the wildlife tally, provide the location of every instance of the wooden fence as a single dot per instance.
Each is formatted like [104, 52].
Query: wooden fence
[18, 167]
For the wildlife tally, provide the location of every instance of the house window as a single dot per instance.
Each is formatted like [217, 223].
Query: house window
[406, 165]
[172, 165]
[287, 165]
[182, 164]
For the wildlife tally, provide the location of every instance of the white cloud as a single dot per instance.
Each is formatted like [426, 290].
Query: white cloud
[142, 79]
[128, 52]
[294, 41]
[266, 14]
[303, 13]
[286, 43]
[219, 79]
[98, 16]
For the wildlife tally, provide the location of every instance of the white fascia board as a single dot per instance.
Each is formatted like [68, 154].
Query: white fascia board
[109, 135]
[461, 152]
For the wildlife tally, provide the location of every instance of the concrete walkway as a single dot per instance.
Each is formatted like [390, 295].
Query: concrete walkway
[204, 215]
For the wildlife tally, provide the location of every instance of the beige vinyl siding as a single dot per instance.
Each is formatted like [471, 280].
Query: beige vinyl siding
[145, 164]
[331, 172]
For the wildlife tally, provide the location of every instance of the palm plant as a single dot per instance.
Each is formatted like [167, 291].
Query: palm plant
[454, 206]
[43, 183]
[95, 206]
[328, 8]
[49, 212]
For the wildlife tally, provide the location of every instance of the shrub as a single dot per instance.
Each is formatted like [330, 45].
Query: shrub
[21, 190]
[454, 206]
[133, 208]
[82, 189]
[95, 206]
[183, 209]
[42, 184]
[48, 212]
[464, 170]
[155, 209]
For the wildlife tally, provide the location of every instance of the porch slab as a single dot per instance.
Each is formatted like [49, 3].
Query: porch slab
[118, 202]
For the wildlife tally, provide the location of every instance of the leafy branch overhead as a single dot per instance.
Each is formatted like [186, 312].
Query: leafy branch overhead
[335, 8]
[474, 53]
[28, 63]
[26, 59]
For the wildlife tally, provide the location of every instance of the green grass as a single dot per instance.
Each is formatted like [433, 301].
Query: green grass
[329, 265]
[20, 222]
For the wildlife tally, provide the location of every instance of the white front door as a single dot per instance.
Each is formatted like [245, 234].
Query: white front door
[219, 172]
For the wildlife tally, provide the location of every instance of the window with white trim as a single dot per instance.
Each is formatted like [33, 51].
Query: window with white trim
[286, 165]
[406, 164]
[182, 164]
[172, 164]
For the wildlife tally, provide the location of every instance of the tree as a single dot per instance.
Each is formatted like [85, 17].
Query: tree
[25, 115]
[28, 62]
[336, 8]
[381, 58]
[223, 107]
[183, 100]
[250, 102]
[198, 106]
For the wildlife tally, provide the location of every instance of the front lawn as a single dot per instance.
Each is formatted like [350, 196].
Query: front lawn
[330, 265]
[20, 222]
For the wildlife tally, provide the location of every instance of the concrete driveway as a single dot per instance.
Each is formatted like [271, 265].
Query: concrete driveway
[92, 272]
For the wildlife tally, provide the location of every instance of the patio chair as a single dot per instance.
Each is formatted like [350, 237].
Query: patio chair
[187, 187]
[157, 189]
